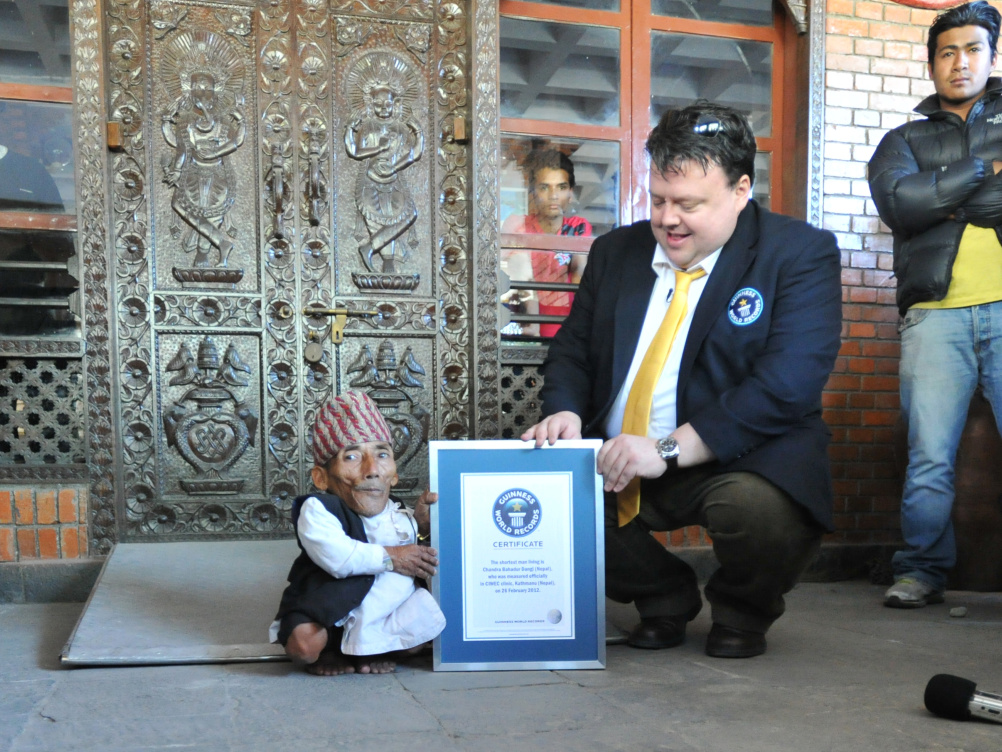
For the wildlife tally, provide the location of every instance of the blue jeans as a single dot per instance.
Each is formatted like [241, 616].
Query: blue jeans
[945, 355]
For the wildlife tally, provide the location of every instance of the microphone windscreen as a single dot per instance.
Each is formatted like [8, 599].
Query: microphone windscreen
[949, 696]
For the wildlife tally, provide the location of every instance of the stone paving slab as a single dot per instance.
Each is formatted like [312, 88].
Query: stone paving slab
[842, 674]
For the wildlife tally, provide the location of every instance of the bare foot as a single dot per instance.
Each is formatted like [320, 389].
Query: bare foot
[374, 664]
[331, 663]
[422, 649]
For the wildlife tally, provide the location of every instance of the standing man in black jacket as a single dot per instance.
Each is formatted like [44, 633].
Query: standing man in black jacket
[936, 185]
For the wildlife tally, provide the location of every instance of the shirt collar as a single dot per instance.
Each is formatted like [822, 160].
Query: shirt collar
[661, 263]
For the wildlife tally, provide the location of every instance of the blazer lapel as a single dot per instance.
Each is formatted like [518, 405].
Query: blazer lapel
[634, 294]
[735, 258]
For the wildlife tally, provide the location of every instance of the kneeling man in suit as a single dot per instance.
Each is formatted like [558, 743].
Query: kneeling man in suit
[697, 347]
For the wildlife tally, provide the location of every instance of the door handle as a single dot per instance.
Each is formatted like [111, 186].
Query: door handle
[314, 188]
[277, 188]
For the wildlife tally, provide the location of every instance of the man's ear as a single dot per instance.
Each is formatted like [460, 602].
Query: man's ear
[394, 480]
[319, 475]
[742, 189]
[742, 192]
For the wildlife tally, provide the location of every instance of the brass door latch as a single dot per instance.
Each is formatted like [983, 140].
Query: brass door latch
[314, 351]
[338, 317]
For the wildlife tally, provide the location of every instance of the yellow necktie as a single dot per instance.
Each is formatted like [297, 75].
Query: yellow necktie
[638, 404]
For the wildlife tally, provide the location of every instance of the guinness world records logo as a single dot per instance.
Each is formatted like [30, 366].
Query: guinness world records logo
[516, 512]
[745, 307]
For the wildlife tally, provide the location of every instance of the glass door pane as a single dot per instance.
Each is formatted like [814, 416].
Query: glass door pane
[35, 42]
[36, 157]
[750, 12]
[762, 189]
[567, 73]
[736, 73]
[37, 283]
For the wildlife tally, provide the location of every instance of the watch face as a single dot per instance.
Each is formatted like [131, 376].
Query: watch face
[667, 448]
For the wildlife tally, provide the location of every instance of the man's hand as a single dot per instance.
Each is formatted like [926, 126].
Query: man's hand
[413, 560]
[422, 515]
[625, 457]
[562, 425]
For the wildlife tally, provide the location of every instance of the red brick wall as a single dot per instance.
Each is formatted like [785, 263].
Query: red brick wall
[44, 523]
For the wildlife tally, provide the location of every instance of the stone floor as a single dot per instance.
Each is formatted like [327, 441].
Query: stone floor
[842, 674]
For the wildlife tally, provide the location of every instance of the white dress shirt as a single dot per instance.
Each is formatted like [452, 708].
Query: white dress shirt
[663, 418]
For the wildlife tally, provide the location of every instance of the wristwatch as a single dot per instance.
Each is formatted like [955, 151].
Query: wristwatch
[668, 450]
[387, 561]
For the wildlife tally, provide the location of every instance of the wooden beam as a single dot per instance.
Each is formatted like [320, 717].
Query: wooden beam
[12, 220]
[35, 93]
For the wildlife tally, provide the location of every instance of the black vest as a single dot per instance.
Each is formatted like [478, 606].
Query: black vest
[322, 597]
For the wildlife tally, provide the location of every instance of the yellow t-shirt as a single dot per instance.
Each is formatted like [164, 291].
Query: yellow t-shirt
[977, 271]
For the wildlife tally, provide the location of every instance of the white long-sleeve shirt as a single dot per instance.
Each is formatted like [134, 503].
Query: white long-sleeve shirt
[395, 614]
[329, 546]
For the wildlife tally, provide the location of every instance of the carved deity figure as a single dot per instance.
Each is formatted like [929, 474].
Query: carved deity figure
[204, 124]
[384, 134]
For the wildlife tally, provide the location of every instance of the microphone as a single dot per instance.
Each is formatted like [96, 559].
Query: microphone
[955, 698]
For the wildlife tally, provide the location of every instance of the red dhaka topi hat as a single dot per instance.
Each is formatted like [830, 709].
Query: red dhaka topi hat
[349, 418]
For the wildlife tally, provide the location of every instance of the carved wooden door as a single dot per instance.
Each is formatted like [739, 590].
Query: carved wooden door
[289, 211]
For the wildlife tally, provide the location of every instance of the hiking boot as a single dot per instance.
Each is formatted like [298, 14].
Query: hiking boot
[908, 592]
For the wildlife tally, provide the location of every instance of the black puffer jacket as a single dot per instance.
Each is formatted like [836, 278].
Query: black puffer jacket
[929, 179]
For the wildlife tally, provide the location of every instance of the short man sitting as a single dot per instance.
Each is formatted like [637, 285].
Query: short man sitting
[352, 604]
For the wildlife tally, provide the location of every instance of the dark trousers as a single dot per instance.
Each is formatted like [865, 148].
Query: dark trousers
[762, 539]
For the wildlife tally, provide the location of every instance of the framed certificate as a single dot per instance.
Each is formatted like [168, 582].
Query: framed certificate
[521, 550]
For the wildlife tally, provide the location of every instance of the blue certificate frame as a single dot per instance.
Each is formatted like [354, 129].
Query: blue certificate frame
[521, 548]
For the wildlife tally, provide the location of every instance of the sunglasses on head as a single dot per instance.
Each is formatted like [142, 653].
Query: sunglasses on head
[707, 125]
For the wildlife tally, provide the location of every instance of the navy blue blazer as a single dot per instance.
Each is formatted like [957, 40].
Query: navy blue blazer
[751, 379]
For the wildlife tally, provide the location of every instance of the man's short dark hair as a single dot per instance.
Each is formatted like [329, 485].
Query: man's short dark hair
[547, 159]
[707, 134]
[978, 13]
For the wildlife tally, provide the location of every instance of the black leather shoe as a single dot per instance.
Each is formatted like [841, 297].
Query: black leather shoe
[657, 632]
[728, 642]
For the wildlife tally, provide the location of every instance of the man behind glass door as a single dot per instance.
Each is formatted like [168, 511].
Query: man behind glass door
[549, 174]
